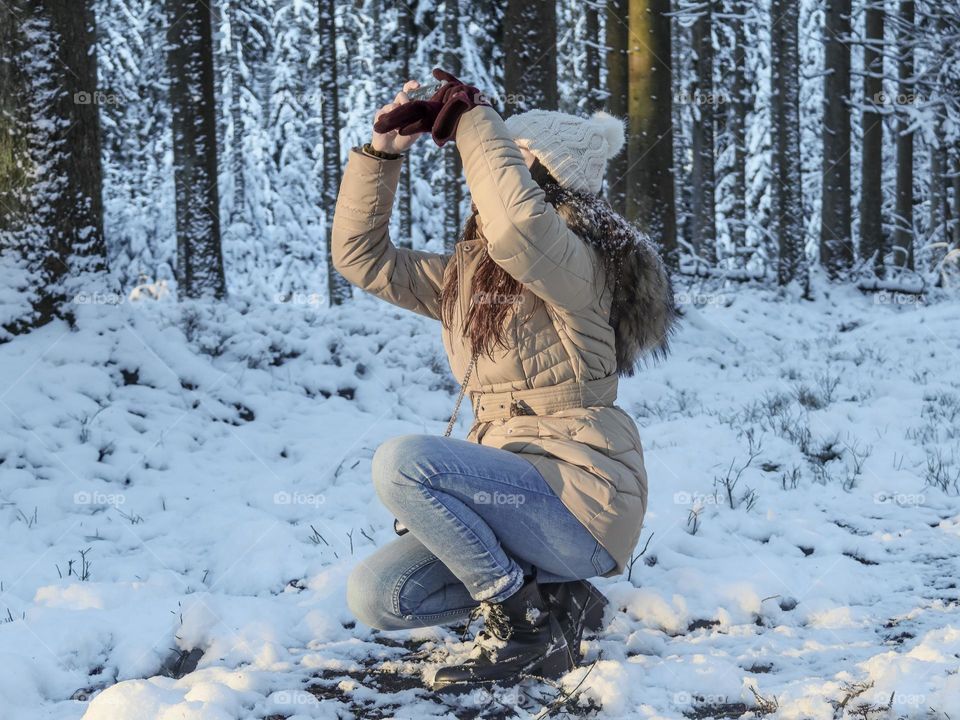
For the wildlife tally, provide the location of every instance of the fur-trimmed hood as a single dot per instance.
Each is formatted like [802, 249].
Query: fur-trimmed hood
[644, 313]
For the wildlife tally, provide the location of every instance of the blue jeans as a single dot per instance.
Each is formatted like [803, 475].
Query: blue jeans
[480, 518]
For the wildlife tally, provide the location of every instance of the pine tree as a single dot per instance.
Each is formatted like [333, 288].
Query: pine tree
[737, 124]
[785, 120]
[650, 190]
[51, 227]
[617, 31]
[871, 155]
[530, 55]
[903, 221]
[404, 40]
[338, 289]
[138, 195]
[190, 59]
[594, 95]
[703, 207]
[452, 184]
[836, 246]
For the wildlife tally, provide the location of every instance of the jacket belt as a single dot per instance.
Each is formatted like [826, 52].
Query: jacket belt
[544, 401]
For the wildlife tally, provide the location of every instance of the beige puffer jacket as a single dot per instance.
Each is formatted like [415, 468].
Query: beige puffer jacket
[558, 335]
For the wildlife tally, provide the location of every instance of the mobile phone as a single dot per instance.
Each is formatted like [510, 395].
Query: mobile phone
[425, 91]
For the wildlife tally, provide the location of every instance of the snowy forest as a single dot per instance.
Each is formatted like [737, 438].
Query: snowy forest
[200, 147]
[191, 395]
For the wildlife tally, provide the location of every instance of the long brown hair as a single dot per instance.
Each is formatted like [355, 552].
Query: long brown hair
[493, 292]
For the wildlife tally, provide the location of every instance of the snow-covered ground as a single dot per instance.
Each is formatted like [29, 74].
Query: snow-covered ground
[177, 478]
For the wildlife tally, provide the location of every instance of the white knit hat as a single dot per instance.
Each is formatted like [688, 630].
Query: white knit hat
[574, 150]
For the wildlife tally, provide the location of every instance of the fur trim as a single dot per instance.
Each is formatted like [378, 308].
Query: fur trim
[643, 313]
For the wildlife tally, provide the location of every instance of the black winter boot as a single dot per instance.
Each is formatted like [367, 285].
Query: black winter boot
[579, 606]
[521, 637]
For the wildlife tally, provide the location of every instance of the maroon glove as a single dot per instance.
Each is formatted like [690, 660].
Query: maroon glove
[439, 115]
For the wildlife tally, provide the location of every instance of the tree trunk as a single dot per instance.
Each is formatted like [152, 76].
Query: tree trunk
[650, 190]
[871, 159]
[238, 211]
[617, 32]
[190, 57]
[591, 57]
[452, 185]
[737, 119]
[787, 210]
[338, 289]
[703, 200]
[80, 210]
[937, 221]
[903, 225]
[404, 46]
[50, 171]
[530, 56]
[836, 246]
[955, 172]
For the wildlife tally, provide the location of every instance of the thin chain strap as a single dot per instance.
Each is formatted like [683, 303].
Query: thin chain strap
[463, 389]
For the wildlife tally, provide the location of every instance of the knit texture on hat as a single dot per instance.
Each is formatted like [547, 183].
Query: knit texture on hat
[574, 150]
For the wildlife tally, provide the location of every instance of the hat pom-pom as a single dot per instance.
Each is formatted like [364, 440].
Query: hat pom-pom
[612, 130]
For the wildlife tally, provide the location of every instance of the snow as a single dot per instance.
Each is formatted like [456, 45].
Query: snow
[211, 463]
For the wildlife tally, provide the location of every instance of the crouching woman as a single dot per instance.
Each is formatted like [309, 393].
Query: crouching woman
[547, 297]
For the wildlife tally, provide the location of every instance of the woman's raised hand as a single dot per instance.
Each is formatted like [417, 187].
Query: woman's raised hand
[392, 141]
[439, 115]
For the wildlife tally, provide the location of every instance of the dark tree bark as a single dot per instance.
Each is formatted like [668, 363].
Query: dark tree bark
[955, 172]
[80, 211]
[591, 57]
[617, 32]
[703, 199]
[452, 185]
[404, 47]
[737, 126]
[903, 221]
[236, 103]
[787, 211]
[836, 246]
[190, 58]
[683, 87]
[650, 190]
[937, 221]
[871, 160]
[338, 289]
[50, 171]
[530, 55]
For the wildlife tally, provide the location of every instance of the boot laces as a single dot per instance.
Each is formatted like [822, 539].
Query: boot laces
[496, 624]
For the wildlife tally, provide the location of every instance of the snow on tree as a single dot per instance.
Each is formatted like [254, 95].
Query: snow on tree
[190, 60]
[51, 227]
